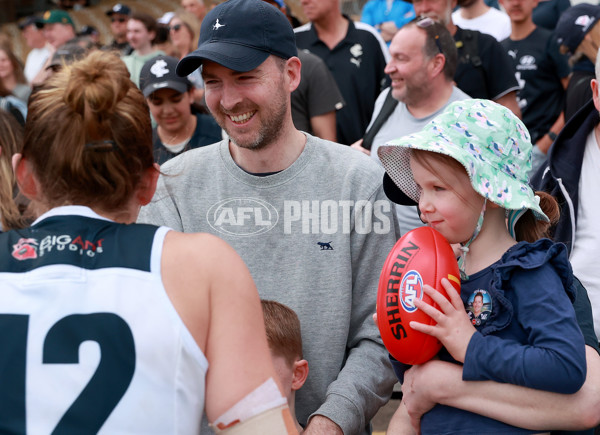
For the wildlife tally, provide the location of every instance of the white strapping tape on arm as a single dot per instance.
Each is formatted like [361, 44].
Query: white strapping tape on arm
[265, 402]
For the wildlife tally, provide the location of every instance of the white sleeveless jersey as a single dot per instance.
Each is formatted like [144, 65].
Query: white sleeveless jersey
[89, 340]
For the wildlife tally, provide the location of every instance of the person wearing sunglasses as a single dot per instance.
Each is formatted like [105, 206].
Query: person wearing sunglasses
[119, 15]
[183, 28]
[31, 30]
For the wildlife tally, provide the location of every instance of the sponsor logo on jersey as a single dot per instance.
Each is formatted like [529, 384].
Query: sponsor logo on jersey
[527, 62]
[25, 249]
[411, 289]
[29, 249]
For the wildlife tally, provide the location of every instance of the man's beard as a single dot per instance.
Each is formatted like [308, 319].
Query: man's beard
[270, 128]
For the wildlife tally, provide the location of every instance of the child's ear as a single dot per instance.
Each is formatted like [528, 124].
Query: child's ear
[300, 374]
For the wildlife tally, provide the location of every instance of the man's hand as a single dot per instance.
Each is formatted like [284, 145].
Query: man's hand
[453, 329]
[358, 146]
[320, 425]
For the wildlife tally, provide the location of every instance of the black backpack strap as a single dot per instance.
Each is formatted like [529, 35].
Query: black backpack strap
[389, 105]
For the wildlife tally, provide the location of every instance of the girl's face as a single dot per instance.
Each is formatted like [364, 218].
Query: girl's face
[448, 202]
[171, 109]
[6, 67]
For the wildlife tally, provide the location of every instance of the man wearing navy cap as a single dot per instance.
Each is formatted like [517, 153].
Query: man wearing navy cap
[308, 216]
[31, 29]
[578, 34]
[119, 15]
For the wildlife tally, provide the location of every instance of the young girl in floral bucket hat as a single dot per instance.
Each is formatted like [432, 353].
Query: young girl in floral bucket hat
[467, 169]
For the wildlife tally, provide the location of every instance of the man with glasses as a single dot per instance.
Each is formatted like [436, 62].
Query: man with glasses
[483, 69]
[422, 66]
[119, 15]
[31, 29]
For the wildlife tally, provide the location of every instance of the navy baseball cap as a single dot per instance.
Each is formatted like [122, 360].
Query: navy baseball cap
[575, 23]
[240, 35]
[119, 9]
[31, 20]
[158, 73]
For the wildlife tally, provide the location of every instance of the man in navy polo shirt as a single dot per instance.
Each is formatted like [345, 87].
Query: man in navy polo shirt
[356, 55]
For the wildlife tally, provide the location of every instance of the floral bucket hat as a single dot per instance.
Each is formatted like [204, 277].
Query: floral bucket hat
[487, 139]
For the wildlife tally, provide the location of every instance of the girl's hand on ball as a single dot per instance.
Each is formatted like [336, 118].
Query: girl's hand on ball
[453, 329]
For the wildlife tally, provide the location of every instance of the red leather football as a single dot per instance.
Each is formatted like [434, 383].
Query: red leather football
[421, 256]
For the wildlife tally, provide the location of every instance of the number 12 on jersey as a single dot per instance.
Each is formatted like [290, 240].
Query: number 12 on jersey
[61, 344]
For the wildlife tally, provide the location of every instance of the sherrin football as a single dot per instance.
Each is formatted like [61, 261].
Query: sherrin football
[421, 256]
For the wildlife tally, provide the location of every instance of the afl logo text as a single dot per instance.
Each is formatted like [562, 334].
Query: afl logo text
[411, 288]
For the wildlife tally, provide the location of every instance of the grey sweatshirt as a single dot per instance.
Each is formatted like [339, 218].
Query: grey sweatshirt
[315, 237]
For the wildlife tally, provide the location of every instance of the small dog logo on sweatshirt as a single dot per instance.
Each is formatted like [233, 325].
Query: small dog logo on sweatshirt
[325, 246]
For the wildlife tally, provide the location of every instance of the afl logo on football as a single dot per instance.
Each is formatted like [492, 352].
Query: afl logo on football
[411, 288]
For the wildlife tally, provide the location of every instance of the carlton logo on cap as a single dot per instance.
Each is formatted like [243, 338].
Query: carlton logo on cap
[159, 68]
[584, 21]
